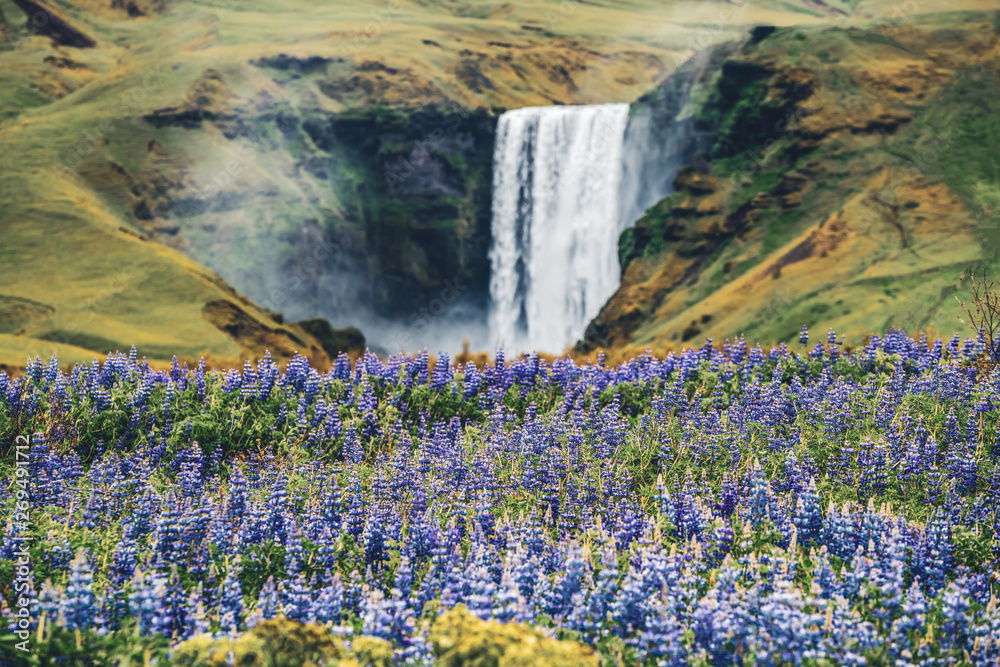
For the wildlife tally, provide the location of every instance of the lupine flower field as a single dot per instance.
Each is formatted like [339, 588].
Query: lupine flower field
[725, 505]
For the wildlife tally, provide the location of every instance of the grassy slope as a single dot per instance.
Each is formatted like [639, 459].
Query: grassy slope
[899, 137]
[69, 236]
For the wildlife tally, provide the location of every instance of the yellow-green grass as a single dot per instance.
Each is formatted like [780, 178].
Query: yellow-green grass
[16, 351]
[65, 252]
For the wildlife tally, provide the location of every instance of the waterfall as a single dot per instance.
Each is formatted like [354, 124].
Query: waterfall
[556, 220]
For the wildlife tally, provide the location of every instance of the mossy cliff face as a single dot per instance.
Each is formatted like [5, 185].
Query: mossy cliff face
[416, 200]
[846, 177]
[663, 134]
[358, 215]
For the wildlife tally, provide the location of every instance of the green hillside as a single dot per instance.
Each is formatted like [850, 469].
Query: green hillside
[852, 175]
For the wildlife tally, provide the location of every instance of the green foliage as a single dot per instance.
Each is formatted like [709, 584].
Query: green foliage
[266, 560]
[441, 405]
[634, 398]
[58, 646]
[646, 238]
[741, 114]
[957, 137]
[973, 548]
[865, 37]
[614, 652]
[518, 401]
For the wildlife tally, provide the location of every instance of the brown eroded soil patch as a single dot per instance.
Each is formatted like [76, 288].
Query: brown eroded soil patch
[253, 334]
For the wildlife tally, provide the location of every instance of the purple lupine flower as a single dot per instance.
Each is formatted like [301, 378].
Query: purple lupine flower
[78, 604]
[231, 600]
[298, 600]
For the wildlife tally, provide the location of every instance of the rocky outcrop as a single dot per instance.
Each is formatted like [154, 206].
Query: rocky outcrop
[424, 205]
[334, 341]
[52, 22]
[253, 334]
[662, 135]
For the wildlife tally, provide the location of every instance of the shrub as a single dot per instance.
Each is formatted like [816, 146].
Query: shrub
[984, 313]
[462, 640]
[279, 642]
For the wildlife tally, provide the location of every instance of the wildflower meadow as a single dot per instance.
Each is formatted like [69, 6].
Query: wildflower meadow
[726, 505]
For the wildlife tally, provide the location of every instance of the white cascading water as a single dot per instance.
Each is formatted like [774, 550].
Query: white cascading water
[556, 222]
